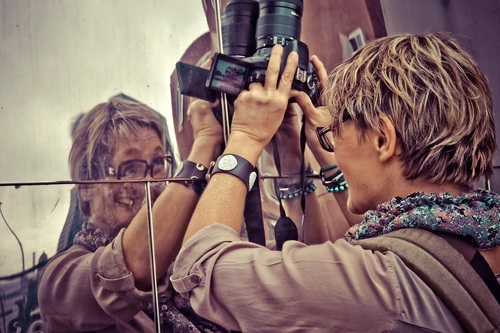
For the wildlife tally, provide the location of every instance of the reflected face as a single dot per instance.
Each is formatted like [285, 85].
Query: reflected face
[114, 206]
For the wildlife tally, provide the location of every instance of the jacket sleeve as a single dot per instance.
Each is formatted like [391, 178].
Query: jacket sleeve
[247, 287]
[81, 290]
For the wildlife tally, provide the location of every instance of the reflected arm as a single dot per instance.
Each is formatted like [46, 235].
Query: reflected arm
[174, 207]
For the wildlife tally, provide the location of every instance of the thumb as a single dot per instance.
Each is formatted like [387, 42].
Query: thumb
[305, 103]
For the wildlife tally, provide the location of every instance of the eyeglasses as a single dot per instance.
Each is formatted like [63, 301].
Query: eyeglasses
[322, 132]
[160, 167]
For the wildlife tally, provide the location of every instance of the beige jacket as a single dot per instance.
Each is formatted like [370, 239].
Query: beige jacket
[84, 291]
[332, 287]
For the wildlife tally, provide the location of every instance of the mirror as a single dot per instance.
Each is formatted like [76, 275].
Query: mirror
[60, 58]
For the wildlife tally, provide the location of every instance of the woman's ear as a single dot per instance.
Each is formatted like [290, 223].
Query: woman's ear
[386, 144]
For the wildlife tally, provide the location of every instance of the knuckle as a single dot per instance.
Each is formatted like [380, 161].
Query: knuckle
[287, 77]
[273, 69]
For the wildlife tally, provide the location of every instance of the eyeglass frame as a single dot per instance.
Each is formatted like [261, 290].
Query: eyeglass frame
[322, 131]
[149, 167]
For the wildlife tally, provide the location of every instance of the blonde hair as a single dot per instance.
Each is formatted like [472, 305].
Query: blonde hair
[95, 137]
[434, 93]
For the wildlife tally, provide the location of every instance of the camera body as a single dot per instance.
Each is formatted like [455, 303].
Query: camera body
[250, 29]
[231, 75]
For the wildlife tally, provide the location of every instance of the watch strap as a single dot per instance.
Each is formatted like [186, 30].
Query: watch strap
[236, 166]
[196, 174]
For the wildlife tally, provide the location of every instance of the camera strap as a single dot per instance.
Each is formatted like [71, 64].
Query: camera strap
[253, 215]
[285, 229]
[303, 175]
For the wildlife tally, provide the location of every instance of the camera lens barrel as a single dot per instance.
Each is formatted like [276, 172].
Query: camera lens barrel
[238, 27]
[279, 22]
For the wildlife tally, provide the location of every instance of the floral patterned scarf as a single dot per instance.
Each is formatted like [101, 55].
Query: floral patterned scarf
[474, 215]
[92, 237]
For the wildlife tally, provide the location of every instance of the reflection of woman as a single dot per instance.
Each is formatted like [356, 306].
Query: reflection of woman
[103, 282]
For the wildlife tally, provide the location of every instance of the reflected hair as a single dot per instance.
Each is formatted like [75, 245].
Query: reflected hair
[98, 131]
[435, 95]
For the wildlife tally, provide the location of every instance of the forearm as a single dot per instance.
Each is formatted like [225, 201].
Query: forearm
[171, 214]
[259, 111]
[224, 198]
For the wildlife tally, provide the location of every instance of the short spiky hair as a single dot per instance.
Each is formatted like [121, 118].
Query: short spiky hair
[95, 137]
[434, 93]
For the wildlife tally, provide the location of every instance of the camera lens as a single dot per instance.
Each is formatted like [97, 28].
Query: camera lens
[279, 22]
[238, 27]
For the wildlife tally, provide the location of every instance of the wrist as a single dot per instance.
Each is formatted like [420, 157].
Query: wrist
[288, 179]
[334, 181]
[236, 166]
[295, 190]
[329, 170]
[243, 146]
[205, 150]
[192, 175]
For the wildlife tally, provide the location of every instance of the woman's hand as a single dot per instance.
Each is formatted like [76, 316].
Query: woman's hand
[259, 111]
[315, 116]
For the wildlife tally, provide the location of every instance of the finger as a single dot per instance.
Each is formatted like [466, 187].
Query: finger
[254, 85]
[320, 67]
[273, 67]
[304, 101]
[286, 81]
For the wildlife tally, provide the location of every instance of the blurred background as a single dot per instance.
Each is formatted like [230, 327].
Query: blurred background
[59, 58]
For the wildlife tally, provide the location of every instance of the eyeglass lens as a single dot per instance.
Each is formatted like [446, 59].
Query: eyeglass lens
[322, 133]
[138, 169]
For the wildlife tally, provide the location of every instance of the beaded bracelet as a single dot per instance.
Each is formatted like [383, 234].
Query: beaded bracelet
[295, 190]
[334, 183]
[337, 188]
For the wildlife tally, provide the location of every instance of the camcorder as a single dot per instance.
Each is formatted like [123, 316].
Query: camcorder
[250, 29]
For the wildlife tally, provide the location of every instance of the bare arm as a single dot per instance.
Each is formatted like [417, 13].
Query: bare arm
[174, 207]
[258, 114]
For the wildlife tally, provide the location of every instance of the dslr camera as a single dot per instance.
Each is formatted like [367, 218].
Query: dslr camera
[250, 29]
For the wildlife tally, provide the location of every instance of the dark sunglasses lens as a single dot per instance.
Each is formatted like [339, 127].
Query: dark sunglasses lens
[322, 132]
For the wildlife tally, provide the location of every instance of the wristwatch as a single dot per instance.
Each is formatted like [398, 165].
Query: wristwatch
[236, 166]
[196, 174]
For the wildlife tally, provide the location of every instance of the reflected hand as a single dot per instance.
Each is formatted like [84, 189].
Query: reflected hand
[287, 141]
[202, 119]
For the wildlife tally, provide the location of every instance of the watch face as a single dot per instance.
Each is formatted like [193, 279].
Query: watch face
[227, 163]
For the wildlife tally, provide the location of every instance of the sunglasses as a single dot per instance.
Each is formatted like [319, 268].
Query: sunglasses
[323, 138]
